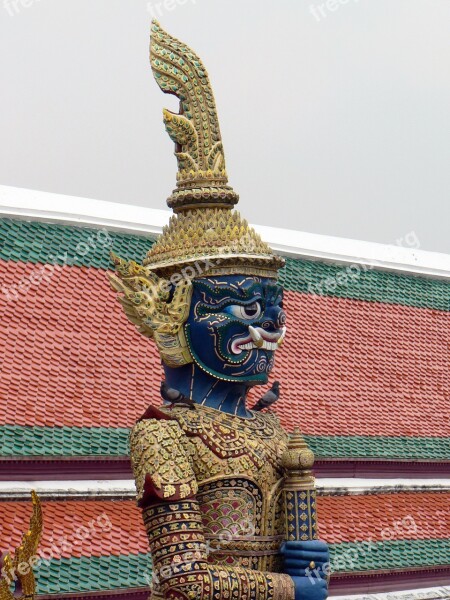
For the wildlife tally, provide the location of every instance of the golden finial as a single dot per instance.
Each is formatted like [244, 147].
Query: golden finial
[19, 568]
[299, 494]
[298, 461]
[202, 177]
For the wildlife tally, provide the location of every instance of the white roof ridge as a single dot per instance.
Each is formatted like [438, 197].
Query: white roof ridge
[37, 205]
[325, 486]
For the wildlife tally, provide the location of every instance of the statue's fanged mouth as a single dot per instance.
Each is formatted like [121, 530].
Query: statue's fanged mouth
[258, 339]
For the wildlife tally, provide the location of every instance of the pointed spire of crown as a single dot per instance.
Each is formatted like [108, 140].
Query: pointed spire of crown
[202, 177]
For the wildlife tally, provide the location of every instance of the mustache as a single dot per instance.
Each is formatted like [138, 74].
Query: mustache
[259, 338]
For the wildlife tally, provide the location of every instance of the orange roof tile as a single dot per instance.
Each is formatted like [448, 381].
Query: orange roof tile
[382, 517]
[98, 528]
[348, 367]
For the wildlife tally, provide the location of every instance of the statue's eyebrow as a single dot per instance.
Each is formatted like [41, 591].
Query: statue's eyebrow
[219, 283]
[255, 289]
[254, 285]
[236, 290]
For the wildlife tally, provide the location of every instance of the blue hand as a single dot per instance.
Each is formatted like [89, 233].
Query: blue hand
[307, 589]
[308, 565]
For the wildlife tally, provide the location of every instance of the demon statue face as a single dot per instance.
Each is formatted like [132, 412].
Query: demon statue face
[230, 326]
[235, 325]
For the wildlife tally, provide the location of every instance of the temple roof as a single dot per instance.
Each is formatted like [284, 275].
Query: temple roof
[364, 368]
[364, 372]
[101, 545]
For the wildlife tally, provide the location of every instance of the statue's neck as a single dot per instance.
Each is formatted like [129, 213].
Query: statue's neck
[204, 389]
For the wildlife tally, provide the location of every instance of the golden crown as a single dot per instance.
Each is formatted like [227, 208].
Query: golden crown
[204, 224]
[205, 236]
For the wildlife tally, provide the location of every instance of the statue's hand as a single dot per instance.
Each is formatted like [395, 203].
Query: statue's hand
[308, 564]
[305, 589]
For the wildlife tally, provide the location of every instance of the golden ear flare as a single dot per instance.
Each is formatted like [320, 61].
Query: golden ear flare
[146, 301]
[19, 568]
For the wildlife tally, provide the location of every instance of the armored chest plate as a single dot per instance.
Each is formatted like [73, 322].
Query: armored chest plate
[237, 466]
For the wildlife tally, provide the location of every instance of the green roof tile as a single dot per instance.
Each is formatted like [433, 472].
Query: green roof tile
[47, 243]
[402, 447]
[93, 574]
[370, 285]
[394, 554]
[25, 441]
[71, 575]
[17, 440]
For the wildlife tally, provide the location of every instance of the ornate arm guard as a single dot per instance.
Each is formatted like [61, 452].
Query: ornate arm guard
[160, 459]
[180, 560]
[166, 491]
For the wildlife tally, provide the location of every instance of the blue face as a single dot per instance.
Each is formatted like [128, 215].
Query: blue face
[234, 326]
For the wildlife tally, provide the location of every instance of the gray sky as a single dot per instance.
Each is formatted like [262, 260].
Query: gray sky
[334, 115]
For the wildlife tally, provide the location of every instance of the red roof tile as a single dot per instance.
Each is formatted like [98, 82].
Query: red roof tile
[348, 367]
[78, 528]
[382, 517]
[98, 528]
[360, 368]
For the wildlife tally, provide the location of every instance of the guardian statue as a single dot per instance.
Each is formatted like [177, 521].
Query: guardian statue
[228, 501]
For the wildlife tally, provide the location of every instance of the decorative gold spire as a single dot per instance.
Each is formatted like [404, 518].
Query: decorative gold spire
[298, 461]
[24, 555]
[205, 236]
[201, 178]
[204, 226]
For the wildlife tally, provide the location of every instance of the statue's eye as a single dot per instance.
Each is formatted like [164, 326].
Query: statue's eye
[251, 311]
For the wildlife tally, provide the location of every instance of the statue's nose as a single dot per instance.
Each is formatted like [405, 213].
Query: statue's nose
[275, 317]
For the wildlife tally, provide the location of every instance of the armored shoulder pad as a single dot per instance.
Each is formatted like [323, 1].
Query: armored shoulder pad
[161, 461]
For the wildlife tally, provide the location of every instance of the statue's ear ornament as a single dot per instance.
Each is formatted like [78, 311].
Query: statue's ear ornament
[26, 554]
[149, 304]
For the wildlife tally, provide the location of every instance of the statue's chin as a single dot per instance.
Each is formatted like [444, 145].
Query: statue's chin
[254, 378]
[250, 379]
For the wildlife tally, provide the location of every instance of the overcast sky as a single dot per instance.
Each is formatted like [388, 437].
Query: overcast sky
[334, 115]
